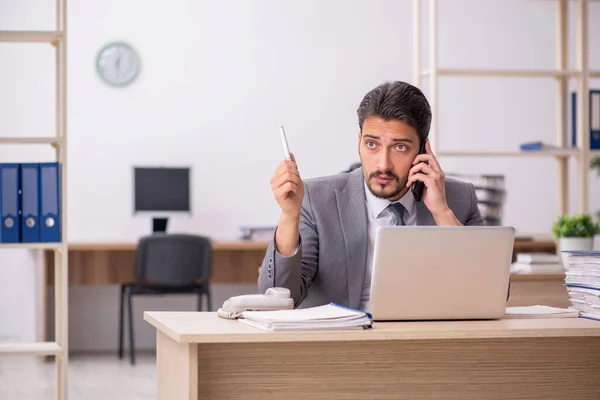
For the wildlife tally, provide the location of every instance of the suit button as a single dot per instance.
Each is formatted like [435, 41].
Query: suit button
[270, 275]
[270, 260]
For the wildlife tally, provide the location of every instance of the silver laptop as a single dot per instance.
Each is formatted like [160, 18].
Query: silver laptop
[440, 273]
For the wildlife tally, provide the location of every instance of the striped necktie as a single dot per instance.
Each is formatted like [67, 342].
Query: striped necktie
[398, 210]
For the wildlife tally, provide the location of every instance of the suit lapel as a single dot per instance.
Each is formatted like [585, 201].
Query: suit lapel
[353, 217]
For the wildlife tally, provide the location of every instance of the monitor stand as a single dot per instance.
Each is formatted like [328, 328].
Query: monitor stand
[159, 225]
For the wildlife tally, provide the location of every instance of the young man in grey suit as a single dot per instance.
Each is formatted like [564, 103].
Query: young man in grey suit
[322, 248]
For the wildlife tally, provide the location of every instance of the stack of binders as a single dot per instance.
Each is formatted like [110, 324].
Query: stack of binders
[30, 202]
[594, 119]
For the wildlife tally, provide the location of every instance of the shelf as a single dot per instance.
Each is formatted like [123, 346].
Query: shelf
[32, 246]
[515, 73]
[521, 73]
[32, 140]
[30, 36]
[541, 153]
[41, 348]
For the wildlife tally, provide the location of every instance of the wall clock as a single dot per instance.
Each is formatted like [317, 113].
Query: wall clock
[118, 64]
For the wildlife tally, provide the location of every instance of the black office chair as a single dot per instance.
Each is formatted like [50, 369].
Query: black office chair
[167, 264]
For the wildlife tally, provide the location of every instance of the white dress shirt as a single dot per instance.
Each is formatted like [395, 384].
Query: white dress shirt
[379, 215]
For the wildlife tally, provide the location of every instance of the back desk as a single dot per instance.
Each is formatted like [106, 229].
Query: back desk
[238, 262]
[233, 261]
[114, 263]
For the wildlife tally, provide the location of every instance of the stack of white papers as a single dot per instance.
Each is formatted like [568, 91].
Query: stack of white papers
[326, 317]
[537, 263]
[540, 312]
[583, 282]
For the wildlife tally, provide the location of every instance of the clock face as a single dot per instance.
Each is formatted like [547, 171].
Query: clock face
[118, 64]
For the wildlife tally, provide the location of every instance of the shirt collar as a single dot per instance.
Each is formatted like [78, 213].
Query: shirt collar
[377, 205]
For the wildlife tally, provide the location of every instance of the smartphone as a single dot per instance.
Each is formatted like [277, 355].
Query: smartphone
[286, 149]
[417, 187]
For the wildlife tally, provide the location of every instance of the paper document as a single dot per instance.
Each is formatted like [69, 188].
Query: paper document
[539, 311]
[523, 268]
[583, 282]
[330, 316]
[535, 258]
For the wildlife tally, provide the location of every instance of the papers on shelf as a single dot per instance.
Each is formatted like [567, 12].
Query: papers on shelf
[521, 268]
[537, 258]
[257, 233]
[326, 317]
[537, 263]
[539, 311]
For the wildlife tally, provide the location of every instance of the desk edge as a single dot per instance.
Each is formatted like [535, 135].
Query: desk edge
[261, 336]
[162, 328]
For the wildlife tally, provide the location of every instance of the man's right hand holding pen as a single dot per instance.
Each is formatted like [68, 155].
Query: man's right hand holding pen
[288, 189]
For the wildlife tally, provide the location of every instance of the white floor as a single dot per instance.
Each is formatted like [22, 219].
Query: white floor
[91, 377]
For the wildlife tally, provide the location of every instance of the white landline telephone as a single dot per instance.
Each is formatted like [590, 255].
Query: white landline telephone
[277, 298]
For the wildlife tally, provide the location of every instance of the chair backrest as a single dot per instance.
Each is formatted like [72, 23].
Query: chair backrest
[173, 259]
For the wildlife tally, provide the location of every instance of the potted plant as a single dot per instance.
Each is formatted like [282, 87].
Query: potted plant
[575, 233]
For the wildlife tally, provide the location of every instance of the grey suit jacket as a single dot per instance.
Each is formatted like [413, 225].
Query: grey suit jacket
[330, 263]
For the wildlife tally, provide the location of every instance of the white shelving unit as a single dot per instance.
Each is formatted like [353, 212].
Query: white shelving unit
[560, 74]
[59, 347]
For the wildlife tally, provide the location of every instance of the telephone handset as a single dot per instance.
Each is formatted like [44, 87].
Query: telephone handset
[277, 298]
[417, 187]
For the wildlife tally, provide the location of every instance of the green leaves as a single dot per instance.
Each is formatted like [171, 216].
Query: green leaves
[577, 226]
[595, 164]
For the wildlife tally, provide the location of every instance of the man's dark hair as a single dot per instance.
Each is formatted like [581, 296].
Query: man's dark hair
[397, 101]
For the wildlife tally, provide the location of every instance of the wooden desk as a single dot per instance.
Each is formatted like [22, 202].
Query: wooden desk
[532, 289]
[114, 263]
[238, 262]
[233, 262]
[543, 245]
[200, 356]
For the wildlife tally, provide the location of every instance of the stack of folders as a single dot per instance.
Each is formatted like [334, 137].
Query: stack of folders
[30, 202]
[326, 317]
[537, 263]
[539, 311]
[583, 282]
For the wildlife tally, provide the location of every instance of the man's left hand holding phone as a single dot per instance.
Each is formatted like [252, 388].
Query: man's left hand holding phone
[288, 189]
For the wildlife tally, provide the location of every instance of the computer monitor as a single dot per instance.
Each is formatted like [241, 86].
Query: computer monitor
[161, 190]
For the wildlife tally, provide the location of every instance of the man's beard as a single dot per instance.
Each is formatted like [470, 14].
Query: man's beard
[380, 194]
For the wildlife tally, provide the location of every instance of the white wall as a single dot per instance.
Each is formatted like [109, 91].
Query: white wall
[219, 77]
